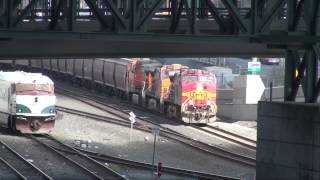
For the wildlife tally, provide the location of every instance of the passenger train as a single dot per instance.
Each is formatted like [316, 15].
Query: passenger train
[27, 102]
[175, 90]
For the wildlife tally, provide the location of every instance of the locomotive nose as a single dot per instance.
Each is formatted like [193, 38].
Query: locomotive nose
[35, 125]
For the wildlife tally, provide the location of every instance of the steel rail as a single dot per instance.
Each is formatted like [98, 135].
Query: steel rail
[13, 169]
[235, 138]
[25, 161]
[87, 171]
[147, 166]
[229, 136]
[103, 168]
[213, 150]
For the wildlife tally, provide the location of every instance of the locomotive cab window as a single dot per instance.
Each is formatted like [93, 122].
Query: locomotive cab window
[39, 89]
[189, 78]
[207, 78]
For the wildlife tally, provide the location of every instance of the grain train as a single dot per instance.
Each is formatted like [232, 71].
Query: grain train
[175, 90]
[27, 102]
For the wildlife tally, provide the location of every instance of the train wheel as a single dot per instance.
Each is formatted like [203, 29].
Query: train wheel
[171, 111]
[152, 104]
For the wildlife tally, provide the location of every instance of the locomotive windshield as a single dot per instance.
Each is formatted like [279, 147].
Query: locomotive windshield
[189, 78]
[207, 78]
[34, 89]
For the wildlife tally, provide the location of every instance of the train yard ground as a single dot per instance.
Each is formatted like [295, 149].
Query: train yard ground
[113, 139]
[203, 155]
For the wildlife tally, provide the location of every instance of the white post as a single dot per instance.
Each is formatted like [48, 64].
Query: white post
[132, 120]
[155, 131]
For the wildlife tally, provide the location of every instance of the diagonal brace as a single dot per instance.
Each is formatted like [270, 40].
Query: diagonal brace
[116, 13]
[99, 14]
[24, 12]
[266, 20]
[235, 14]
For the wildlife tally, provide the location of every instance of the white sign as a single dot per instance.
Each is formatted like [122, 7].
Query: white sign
[254, 89]
[132, 120]
[132, 114]
[155, 130]
[254, 67]
[132, 117]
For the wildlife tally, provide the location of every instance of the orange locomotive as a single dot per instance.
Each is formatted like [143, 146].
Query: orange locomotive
[187, 94]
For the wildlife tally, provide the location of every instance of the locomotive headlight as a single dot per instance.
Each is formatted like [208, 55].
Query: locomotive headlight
[190, 102]
[51, 110]
[19, 110]
[208, 103]
[199, 87]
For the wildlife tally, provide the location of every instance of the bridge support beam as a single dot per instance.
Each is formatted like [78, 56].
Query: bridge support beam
[302, 71]
[288, 143]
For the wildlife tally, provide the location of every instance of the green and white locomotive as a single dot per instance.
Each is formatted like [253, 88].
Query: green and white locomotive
[27, 102]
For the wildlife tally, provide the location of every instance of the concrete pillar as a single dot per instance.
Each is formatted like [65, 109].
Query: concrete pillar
[247, 91]
[288, 144]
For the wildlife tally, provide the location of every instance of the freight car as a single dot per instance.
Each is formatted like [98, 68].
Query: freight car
[176, 90]
[27, 102]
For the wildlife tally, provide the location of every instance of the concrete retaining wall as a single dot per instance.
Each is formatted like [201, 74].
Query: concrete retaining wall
[288, 141]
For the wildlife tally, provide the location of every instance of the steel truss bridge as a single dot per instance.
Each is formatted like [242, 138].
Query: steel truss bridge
[118, 28]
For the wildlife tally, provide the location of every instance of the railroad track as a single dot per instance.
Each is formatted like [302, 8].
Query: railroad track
[146, 125]
[45, 162]
[214, 131]
[235, 138]
[146, 166]
[19, 165]
[92, 167]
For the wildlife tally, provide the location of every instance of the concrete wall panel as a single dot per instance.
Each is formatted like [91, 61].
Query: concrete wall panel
[288, 141]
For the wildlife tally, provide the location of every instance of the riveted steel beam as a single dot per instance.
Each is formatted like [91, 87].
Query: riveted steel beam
[176, 15]
[116, 13]
[24, 12]
[133, 15]
[291, 10]
[149, 13]
[309, 82]
[71, 12]
[266, 20]
[215, 13]
[98, 13]
[311, 15]
[236, 15]
[291, 81]
[56, 6]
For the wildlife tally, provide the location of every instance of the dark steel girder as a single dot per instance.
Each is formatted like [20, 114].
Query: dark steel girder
[214, 11]
[68, 44]
[55, 11]
[22, 15]
[235, 14]
[99, 14]
[123, 22]
[266, 20]
[302, 72]
[149, 13]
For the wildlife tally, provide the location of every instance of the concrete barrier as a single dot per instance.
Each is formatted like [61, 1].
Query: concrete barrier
[288, 144]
